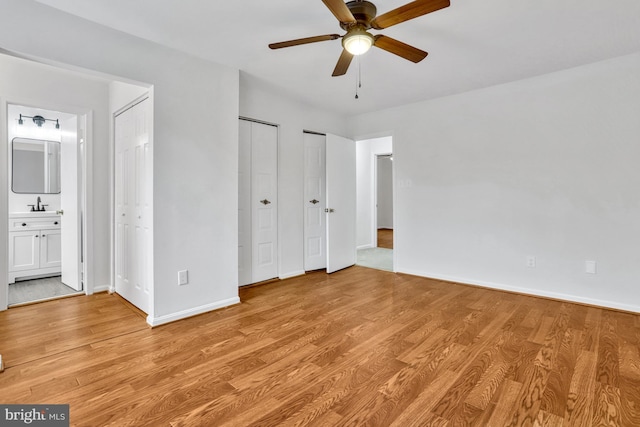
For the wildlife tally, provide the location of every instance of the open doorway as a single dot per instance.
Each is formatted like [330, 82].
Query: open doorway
[45, 203]
[375, 203]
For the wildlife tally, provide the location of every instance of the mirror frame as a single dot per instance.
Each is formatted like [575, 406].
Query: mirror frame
[13, 168]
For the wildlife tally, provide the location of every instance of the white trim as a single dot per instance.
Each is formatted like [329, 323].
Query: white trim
[101, 288]
[527, 291]
[367, 246]
[167, 318]
[4, 207]
[292, 274]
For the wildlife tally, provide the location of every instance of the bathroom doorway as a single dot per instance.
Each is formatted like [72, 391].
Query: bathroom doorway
[45, 203]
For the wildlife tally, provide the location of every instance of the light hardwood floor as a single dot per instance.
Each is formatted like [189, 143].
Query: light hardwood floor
[385, 238]
[358, 347]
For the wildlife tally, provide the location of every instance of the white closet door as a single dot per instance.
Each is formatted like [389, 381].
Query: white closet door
[134, 204]
[264, 201]
[341, 202]
[315, 249]
[257, 202]
[244, 204]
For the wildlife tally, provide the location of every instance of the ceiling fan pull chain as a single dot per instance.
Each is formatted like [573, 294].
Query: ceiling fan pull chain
[358, 81]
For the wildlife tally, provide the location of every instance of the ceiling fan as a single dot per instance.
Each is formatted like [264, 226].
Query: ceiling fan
[358, 16]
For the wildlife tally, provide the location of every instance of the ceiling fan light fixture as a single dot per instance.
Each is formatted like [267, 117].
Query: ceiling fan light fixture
[357, 41]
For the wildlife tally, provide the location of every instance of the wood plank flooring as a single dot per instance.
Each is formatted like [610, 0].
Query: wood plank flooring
[385, 238]
[360, 347]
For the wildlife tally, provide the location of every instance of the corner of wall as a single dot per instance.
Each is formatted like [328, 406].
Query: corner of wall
[179, 315]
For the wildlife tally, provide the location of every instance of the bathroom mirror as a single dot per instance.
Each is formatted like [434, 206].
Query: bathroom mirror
[35, 166]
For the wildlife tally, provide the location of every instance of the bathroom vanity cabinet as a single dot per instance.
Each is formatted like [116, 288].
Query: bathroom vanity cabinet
[35, 245]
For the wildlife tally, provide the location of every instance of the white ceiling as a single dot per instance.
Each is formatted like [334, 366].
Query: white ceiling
[472, 44]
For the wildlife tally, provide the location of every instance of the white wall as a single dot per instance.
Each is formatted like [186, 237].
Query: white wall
[384, 195]
[27, 83]
[366, 152]
[195, 149]
[121, 94]
[262, 102]
[546, 167]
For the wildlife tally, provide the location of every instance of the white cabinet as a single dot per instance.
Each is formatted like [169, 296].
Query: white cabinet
[34, 247]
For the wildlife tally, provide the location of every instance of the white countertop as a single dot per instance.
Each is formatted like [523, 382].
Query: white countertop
[41, 214]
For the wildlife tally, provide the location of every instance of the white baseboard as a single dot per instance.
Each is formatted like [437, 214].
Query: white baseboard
[167, 318]
[367, 246]
[292, 274]
[102, 288]
[527, 291]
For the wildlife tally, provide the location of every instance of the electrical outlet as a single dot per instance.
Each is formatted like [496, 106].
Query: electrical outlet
[183, 277]
[531, 261]
[590, 267]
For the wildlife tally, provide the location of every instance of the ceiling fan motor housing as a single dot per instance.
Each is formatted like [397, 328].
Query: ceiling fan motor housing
[363, 11]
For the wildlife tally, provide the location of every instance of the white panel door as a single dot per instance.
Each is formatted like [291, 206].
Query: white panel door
[315, 249]
[133, 204]
[341, 202]
[70, 179]
[244, 204]
[264, 202]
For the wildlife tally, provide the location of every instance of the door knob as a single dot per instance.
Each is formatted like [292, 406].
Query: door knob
[329, 210]
[265, 202]
[60, 212]
[314, 201]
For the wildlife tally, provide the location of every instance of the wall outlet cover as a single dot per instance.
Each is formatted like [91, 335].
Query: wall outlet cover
[183, 277]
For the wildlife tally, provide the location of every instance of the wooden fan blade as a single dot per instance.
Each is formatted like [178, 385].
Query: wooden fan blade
[305, 40]
[340, 10]
[407, 12]
[396, 47]
[343, 63]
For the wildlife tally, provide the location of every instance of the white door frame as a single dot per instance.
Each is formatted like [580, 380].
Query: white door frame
[87, 197]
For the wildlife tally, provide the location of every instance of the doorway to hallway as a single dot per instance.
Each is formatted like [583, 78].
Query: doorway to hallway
[375, 204]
